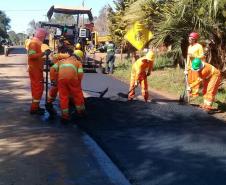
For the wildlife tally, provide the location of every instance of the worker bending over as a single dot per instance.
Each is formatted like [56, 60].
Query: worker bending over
[69, 73]
[60, 55]
[210, 77]
[141, 69]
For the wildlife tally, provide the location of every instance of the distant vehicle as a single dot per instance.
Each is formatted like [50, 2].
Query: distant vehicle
[7, 45]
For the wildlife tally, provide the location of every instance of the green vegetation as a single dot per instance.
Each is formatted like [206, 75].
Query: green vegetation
[172, 21]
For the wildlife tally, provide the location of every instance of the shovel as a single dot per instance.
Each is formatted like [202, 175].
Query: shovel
[102, 93]
[185, 97]
[125, 95]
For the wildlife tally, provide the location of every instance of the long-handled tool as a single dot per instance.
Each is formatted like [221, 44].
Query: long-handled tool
[46, 82]
[185, 97]
[102, 93]
[125, 95]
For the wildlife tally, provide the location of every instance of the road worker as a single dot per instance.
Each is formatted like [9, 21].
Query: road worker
[69, 73]
[110, 58]
[27, 42]
[78, 48]
[52, 94]
[210, 78]
[195, 50]
[35, 69]
[141, 69]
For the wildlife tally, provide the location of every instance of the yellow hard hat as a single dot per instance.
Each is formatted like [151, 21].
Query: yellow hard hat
[44, 47]
[150, 56]
[79, 53]
[78, 46]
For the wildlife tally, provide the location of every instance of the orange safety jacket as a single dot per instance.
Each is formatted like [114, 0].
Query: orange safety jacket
[60, 56]
[35, 60]
[69, 68]
[206, 73]
[140, 68]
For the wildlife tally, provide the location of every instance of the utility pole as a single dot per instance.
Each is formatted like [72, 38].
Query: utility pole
[83, 14]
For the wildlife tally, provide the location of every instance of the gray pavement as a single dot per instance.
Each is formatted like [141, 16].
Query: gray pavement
[37, 151]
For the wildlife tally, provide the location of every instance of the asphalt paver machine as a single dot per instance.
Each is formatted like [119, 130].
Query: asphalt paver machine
[80, 32]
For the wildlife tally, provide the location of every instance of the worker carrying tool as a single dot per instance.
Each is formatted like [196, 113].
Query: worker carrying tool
[141, 69]
[35, 69]
[110, 58]
[210, 78]
[195, 50]
[68, 73]
[52, 94]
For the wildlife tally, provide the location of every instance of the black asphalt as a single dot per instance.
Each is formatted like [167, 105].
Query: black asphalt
[158, 143]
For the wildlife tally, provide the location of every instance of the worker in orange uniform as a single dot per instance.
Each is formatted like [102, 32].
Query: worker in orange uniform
[27, 42]
[195, 50]
[35, 69]
[52, 94]
[141, 69]
[210, 78]
[69, 73]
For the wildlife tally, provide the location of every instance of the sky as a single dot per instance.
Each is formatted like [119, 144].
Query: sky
[21, 12]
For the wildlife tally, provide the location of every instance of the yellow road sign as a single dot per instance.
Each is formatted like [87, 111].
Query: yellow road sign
[138, 36]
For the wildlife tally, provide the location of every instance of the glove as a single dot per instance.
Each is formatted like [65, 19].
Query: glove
[188, 88]
[186, 72]
[47, 52]
[53, 83]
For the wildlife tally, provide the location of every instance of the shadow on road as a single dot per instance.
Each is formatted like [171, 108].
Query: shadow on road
[159, 144]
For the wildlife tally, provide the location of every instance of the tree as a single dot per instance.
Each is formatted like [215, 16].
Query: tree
[22, 37]
[172, 21]
[117, 25]
[13, 37]
[63, 19]
[4, 25]
[32, 27]
[101, 22]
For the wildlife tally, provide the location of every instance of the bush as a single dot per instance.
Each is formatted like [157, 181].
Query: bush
[163, 60]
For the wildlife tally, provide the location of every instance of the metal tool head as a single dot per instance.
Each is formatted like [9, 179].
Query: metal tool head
[103, 93]
[122, 95]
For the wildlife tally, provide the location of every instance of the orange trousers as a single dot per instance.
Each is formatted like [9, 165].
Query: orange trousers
[52, 94]
[144, 86]
[37, 87]
[210, 88]
[72, 88]
[192, 77]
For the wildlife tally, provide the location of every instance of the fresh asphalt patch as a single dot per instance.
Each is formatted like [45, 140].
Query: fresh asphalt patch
[159, 143]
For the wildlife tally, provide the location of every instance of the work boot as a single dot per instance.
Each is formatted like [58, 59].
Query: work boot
[65, 119]
[82, 114]
[50, 109]
[38, 111]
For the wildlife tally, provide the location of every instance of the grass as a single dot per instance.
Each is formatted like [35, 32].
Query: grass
[167, 79]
